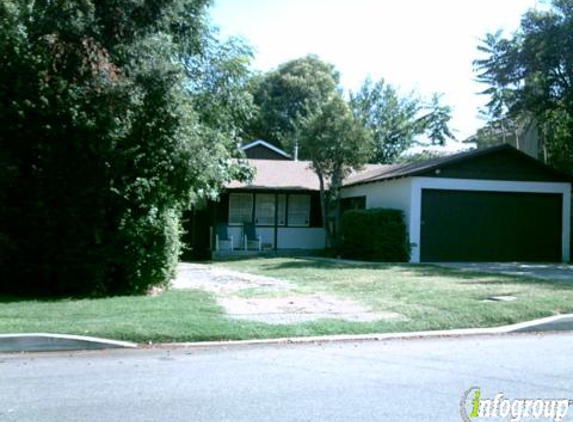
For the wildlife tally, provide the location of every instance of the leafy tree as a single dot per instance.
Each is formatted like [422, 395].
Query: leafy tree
[101, 143]
[392, 118]
[493, 72]
[424, 155]
[397, 122]
[295, 89]
[219, 79]
[336, 143]
[436, 122]
[530, 74]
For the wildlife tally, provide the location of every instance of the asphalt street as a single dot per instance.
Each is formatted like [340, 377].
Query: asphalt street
[396, 380]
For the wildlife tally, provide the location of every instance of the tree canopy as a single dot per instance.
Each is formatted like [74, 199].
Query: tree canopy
[105, 138]
[530, 76]
[282, 96]
[299, 87]
[399, 121]
[301, 102]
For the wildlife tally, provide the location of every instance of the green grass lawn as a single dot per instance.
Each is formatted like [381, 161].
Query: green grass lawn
[429, 298]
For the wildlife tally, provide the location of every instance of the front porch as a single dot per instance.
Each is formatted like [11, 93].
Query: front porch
[279, 238]
[283, 220]
[288, 222]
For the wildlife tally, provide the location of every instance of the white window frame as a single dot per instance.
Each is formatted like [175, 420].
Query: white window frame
[235, 197]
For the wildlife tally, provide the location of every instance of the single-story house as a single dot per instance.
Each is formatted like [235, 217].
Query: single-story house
[493, 204]
[283, 191]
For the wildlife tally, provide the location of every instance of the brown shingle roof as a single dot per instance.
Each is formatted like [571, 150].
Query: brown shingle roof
[278, 174]
[284, 175]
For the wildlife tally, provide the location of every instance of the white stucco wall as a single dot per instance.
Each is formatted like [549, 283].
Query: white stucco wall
[390, 194]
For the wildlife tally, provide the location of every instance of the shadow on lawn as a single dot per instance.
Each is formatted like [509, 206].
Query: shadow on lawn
[16, 299]
[419, 270]
[9, 298]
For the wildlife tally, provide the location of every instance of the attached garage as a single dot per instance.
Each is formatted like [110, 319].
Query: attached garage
[496, 204]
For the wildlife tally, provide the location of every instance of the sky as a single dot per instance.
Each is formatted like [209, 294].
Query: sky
[421, 45]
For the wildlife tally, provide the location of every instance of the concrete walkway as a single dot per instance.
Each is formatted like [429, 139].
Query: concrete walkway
[559, 272]
[221, 280]
[276, 301]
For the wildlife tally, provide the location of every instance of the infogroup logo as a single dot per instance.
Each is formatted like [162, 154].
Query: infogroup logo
[474, 408]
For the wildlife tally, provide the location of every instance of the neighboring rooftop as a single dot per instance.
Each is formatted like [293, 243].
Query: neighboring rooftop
[259, 149]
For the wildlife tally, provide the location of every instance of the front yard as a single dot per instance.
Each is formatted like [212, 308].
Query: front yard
[399, 297]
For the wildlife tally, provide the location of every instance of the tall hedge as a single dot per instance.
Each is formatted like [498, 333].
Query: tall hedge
[101, 143]
[374, 235]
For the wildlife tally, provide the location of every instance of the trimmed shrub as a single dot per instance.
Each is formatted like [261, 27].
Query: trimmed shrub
[374, 235]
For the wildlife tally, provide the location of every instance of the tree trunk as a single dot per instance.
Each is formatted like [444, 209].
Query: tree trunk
[335, 198]
[324, 205]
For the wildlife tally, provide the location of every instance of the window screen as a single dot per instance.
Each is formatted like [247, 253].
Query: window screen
[265, 209]
[298, 210]
[240, 208]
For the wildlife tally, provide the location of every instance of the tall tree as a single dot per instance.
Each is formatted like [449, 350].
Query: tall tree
[218, 79]
[436, 121]
[391, 117]
[533, 69]
[398, 121]
[336, 143]
[101, 144]
[295, 89]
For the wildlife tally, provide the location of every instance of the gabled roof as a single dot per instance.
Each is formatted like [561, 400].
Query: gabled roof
[260, 142]
[299, 175]
[432, 166]
[280, 175]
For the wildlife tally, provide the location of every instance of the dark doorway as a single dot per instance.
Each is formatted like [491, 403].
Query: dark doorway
[196, 236]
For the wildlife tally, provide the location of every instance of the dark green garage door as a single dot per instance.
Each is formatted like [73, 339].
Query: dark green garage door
[490, 226]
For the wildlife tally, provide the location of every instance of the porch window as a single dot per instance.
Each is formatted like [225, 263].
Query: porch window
[265, 209]
[299, 210]
[240, 208]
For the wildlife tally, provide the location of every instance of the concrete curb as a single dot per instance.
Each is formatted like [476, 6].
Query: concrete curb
[44, 342]
[549, 324]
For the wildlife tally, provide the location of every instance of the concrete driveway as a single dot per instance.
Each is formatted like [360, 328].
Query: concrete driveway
[561, 272]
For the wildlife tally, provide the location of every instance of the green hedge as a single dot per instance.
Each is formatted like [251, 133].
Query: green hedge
[374, 235]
